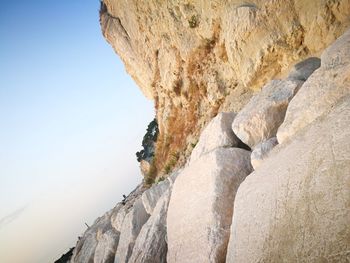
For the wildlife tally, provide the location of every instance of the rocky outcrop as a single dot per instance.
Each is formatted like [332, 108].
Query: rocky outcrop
[200, 210]
[200, 57]
[322, 91]
[151, 245]
[295, 207]
[132, 224]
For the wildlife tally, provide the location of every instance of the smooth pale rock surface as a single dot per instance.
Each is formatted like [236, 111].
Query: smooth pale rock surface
[132, 224]
[200, 208]
[106, 247]
[304, 69]
[150, 196]
[296, 206]
[261, 117]
[261, 151]
[321, 91]
[217, 133]
[151, 245]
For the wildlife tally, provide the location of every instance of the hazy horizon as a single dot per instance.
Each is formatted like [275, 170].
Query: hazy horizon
[71, 122]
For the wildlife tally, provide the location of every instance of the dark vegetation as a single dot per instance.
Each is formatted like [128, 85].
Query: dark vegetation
[147, 153]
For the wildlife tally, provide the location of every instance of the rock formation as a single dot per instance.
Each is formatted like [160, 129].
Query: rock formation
[197, 58]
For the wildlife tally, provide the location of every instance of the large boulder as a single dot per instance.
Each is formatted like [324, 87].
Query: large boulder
[106, 247]
[296, 206]
[200, 210]
[261, 151]
[132, 224]
[217, 133]
[261, 117]
[321, 92]
[150, 196]
[151, 245]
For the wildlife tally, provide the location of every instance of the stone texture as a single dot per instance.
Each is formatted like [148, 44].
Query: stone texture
[84, 251]
[261, 117]
[191, 56]
[117, 218]
[261, 151]
[200, 210]
[217, 133]
[151, 245]
[132, 224]
[304, 69]
[296, 206]
[106, 247]
[321, 91]
[150, 197]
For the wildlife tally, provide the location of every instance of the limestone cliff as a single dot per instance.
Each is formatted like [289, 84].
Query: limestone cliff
[286, 198]
[197, 58]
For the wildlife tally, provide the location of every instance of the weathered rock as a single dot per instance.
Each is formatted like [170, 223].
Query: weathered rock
[117, 218]
[218, 133]
[151, 245]
[190, 56]
[304, 69]
[261, 117]
[106, 247]
[85, 249]
[261, 151]
[321, 91]
[132, 224]
[200, 210]
[150, 197]
[296, 206]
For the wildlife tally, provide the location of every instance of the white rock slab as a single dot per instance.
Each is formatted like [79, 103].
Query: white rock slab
[151, 196]
[261, 117]
[132, 224]
[200, 208]
[151, 245]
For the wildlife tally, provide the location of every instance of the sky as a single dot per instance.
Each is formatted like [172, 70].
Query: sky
[71, 120]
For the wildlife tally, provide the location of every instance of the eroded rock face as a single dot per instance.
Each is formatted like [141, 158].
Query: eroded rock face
[84, 251]
[200, 210]
[151, 245]
[260, 118]
[132, 224]
[106, 247]
[295, 207]
[191, 57]
[151, 196]
[321, 91]
[217, 133]
[261, 151]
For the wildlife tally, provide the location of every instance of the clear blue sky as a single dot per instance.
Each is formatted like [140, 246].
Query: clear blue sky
[71, 120]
